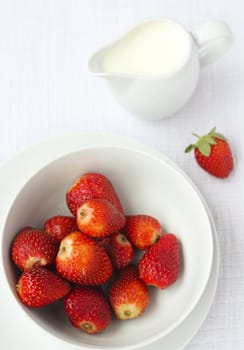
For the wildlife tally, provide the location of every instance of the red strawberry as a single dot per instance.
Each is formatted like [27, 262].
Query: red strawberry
[213, 153]
[33, 247]
[91, 186]
[160, 265]
[99, 218]
[60, 226]
[39, 287]
[128, 295]
[119, 250]
[88, 309]
[142, 230]
[83, 261]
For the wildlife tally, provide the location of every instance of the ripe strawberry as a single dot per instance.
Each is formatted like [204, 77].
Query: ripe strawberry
[33, 247]
[213, 153]
[160, 265]
[91, 186]
[60, 226]
[128, 295]
[119, 250]
[39, 287]
[142, 230]
[99, 218]
[88, 309]
[83, 261]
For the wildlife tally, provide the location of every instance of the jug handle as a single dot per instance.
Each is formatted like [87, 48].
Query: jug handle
[213, 39]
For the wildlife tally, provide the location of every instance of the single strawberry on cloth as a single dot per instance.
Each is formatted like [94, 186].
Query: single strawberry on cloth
[213, 153]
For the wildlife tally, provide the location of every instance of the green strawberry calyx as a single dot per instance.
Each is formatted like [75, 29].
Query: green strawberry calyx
[205, 142]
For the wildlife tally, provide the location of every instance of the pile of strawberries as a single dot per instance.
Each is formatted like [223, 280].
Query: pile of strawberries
[75, 257]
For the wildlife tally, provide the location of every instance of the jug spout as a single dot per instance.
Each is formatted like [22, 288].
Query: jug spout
[95, 63]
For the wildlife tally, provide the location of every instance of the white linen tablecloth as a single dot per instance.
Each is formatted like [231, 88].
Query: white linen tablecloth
[45, 92]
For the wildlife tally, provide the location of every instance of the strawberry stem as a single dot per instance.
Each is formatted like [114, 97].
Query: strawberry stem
[127, 313]
[205, 142]
[87, 327]
[82, 213]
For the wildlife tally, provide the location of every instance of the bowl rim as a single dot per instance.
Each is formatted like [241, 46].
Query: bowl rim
[119, 143]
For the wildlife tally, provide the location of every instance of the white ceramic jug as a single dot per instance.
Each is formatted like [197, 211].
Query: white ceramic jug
[161, 96]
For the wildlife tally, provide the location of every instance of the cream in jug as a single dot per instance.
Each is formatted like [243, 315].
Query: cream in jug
[155, 49]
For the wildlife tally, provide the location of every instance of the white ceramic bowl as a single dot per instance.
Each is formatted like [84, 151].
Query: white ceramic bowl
[145, 183]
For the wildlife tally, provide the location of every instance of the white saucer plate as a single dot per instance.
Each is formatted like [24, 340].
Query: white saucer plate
[41, 155]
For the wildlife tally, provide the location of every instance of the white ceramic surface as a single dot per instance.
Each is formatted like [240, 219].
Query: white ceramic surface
[178, 338]
[159, 190]
[163, 96]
